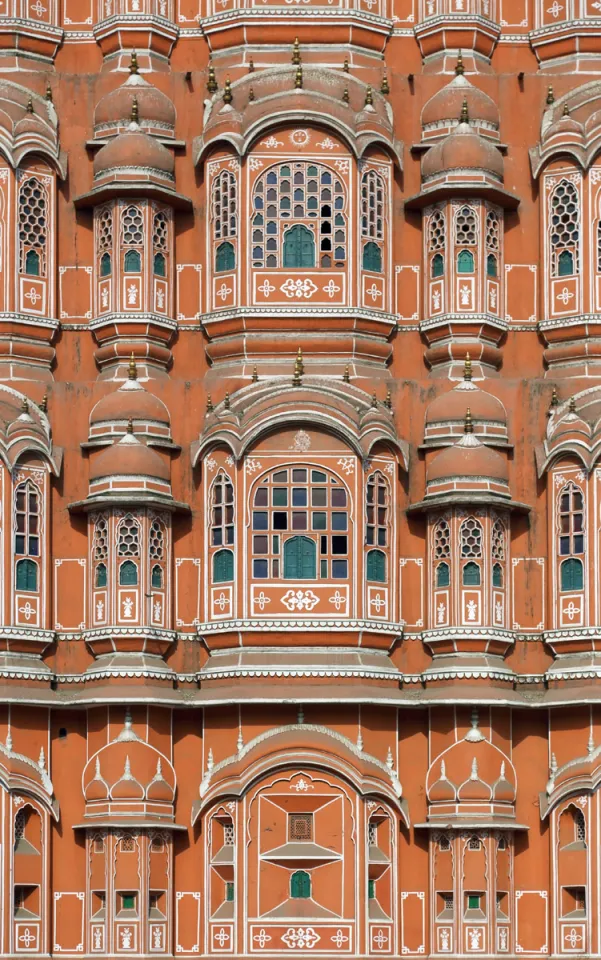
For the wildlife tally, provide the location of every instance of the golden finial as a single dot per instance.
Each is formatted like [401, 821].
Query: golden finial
[298, 78]
[30, 106]
[566, 110]
[554, 398]
[296, 57]
[550, 96]
[345, 95]
[135, 111]
[384, 87]
[210, 406]
[251, 65]
[369, 97]
[226, 402]
[572, 405]
[388, 400]
[346, 375]
[459, 68]
[130, 426]
[468, 425]
[255, 376]
[227, 91]
[48, 93]
[133, 370]
[299, 369]
[133, 63]
[345, 65]
[211, 79]
[251, 95]
[467, 367]
[44, 403]
[299, 360]
[24, 405]
[374, 400]
[465, 117]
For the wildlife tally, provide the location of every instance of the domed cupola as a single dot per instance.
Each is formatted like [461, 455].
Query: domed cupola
[156, 112]
[149, 415]
[440, 113]
[445, 416]
[134, 156]
[129, 467]
[462, 150]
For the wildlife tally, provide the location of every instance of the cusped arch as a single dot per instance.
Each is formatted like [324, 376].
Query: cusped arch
[308, 746]
[22, 776]
[570, 127]
[28, 127]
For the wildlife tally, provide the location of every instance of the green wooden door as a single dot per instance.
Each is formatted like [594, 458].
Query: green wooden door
[300, 885]
[300, 559]
[299, 247]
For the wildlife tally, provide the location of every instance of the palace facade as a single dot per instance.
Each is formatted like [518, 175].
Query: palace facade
[300, 478]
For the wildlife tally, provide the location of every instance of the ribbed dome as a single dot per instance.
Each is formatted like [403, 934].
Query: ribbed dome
[468, 458]
[129, 457]
[452, 405]
[130, 402]
[134, 149]
[154, 107]
[472, 769]
[446, 105]
[462, 150]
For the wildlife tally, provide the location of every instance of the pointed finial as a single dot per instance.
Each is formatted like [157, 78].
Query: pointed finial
[464, 117]
[345, 65]
[210, 406]
[296, 57]
[502, 771]
[210, 761]
[346, 375]
[133, 63]
[459, 68]
[374, 400]
[572, 405]
[211, 80]
[127, 722]
[591, 744]
[443, 770]
[467, 367]
[135, 111]
[97, 769]
[127, 769]
[9, 742]
[30, 105]
[550, 96]
[389, 759]
[130, 426]
[384, 87]
[44, 403]
[388, 400]
[474, 772]
[251, 94]
[566, 110]
[240, 741]
[474, 735]
[255, 376]
[300, 716]
[554, 398]
[345, 95]
[359, 740]
[298, 78]
[48, 93]
[226, 402]
[42, 760]
[553, 767]
[251, 65]
[132, 369]
[468, 425]
[227, 91]
[159, 772]
[369, 99]
[24, 405]
[299, 369]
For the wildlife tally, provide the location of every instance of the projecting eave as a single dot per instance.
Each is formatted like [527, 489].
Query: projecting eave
[467, 497]
[126, 500]
[471, 823]
[473, 188]
[136, 823]
[132, 188]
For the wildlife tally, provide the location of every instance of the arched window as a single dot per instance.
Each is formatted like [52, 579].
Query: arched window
[466, 227]
[372, 257]
[27, 520]
[303, 501]
[33, 227]
[222, 511]
[300, 558]
[224, 205]
[300, 885]
[101, 579]
[376, 566]
[471, 575]
[132, 262]
[305, 194]
[156, 540]
[571, 521]
[27, 575]
[160, 242]
[376, 511]
[106, 266]
[128, 574]
[442, 540]
[493, 243]
[437, 265]
[572, 575]
[223, 566]
[443, 575]
[160, 265]
[564, 229]
[225, 257]
[491, 265]
[156, 579]
[465, 261]
[470, 537]
[497, 575]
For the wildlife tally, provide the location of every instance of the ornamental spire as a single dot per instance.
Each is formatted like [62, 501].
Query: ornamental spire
[299, 369]
[467, 367]
[459, 68]
[132, 368]
[465, 117]
[133, 63]
[211, 79]
[384, 86]
[468, 425]
[227, 91]
[296, 55]
[369, 99]
[298, 78]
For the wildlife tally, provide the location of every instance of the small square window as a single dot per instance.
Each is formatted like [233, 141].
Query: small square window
[128, 901]
[339, 569]
[280, 496]
[299, 497]
[299, 476]
[260, 569]
[260, 545]
[299, 520]
[259, 520]
[339, 545]
[339, 498]
[473, 901]
[318, 477]
[319, 521]
[339, 521]
[280, 521]
[319, 497]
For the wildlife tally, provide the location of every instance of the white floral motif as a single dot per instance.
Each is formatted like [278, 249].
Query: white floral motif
[158, 609]
[98, 938]
[27, 938]
[327, 143]
[100, 610]
[571, 610]
[301, 442]
[465, 295]
[338, 600]
[222, 937]
[301, 786]
[559, 479]
[262, 937]
[104, 298]
[252, 466]
[271, 143]
[261, 601]
[299, 600]
[266, 288]
[474, 935]
[298, 288]
[380, 939]
[255, 164]
[493, 297]
[302, 937]
[28, 611]
[441, 613]
[33, 295]
[126, 938]
[229, 460]
[436, 299]
[300, 138]
[378, 602]
[347, 464]
[160, 306]
[331, 289]
[374, 292]
[498, 612]
[565, 296]
[38, 8]
[472, 610]
[503, 938]
[555, 9]
[339, 939]
[445, 939]
[342, 165]
[211, 464]
[573, 938]
[132, 295]
[157, 938]
[128, 608]
[223, 292]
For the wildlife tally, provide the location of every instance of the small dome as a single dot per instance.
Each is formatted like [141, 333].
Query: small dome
[155, 109]
[462, 150]
[130, 402]
[129, 457]
[447, 103]
[134, 149]
[451, 405]
[468, 458]
[482, 771]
